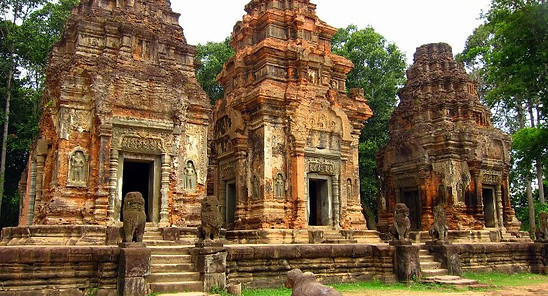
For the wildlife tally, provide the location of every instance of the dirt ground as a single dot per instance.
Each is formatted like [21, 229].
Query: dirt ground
[535, 290]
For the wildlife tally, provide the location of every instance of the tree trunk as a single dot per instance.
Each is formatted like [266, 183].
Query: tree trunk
[529, 191]
[6, 125]
[540, 180]
[528, 185]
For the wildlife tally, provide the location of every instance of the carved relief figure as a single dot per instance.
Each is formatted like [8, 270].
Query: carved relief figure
[255, 186]
[438, 231]
[279, 186]
[190, 176]
[78, 175]
[211, 219]
[349, 189]
[402, 224]
[305, 284]
[134, 217]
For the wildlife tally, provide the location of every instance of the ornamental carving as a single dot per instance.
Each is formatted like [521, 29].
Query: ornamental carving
[491, 178]
[323, 166]
[228, 171]
[141, 144]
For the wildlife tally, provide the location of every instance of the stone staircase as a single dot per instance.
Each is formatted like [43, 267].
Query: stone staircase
[433, 273]
[516, 237]
[172, 269]
[430, 267]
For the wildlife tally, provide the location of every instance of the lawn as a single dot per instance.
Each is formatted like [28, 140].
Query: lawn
[494, 280]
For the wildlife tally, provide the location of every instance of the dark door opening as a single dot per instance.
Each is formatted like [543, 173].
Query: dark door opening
[230, 204]
[411, 200]
[138, 177]
[488, 207]
[319, 203]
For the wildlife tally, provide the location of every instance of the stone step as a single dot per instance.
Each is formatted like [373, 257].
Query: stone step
[173, 267]
[172, 277]
[161, 243]
[423, 252]
[163, 287]
[430, 265]
[163, 259]
[184, 294]
[453, 280]
[434, 272]
[171, 249]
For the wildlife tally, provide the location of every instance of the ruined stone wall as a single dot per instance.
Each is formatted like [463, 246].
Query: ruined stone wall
[267, 266]
[120, 88]
[58, 270]
[500, 257]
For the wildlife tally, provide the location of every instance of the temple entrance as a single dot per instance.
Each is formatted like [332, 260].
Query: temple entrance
[138, 175]
[488, 195]
[319, 206]
[230, 204]
[410, 197]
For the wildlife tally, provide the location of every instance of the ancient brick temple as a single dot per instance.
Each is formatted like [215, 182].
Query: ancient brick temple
[444, 150]
[285, 135]
[122, 112]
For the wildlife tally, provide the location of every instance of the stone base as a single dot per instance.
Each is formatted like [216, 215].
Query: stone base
[438, 243]
[312, 235]
[407, 263]
[132, 245]
[268, 236]
[466, 236]
[60, 235]
[401, 242]
[212, 266]
[209, 244]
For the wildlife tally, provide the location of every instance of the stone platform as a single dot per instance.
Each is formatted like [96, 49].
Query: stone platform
[45, 269]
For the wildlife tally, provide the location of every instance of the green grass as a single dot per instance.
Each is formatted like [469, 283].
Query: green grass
[496, 279]
[493, 279]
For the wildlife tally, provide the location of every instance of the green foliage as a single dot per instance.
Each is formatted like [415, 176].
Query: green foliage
[530, 145]
[379, 68]
[508, 55]
[212, 57]
[39, 25]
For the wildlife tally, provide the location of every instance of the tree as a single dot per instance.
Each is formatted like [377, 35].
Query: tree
[511, 52]
[212, 57]
[379, 68]
[28, 34]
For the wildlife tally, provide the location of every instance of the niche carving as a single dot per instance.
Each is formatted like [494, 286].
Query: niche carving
[78, 168]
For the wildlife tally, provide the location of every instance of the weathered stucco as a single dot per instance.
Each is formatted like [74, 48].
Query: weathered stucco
[286, 122]
[443, 150]
[121, 97]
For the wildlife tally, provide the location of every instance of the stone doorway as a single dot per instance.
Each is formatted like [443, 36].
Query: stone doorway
[410, 197]
[319, 201]
[230, 202]
[488, 195]
[142, 175]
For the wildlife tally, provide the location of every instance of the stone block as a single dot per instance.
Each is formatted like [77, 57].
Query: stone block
[407, 263]
[134, 262]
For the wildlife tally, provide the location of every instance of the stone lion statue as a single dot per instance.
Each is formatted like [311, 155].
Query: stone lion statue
[402, 224]
[211, 219]
[134, 217]
[439, 229]
[305, 284]
[542, 231]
